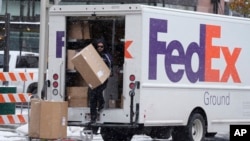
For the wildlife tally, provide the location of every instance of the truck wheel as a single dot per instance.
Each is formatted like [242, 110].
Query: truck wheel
[194, 131]
[34, 91]
[109, 134]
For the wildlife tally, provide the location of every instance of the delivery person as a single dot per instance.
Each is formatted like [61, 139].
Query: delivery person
[96, 95]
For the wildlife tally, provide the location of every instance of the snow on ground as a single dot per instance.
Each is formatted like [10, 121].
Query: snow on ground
[10, 136]
[19, 133]
[74, 133]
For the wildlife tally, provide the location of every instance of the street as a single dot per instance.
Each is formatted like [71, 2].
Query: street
[8, 134]
[19, 133]
[146, 138]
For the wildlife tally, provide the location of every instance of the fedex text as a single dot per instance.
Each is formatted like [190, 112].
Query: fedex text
[205, 51]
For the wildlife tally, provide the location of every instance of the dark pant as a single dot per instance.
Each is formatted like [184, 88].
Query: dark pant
[96, 99]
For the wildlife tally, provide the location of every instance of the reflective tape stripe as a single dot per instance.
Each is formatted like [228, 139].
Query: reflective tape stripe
[16, 76]
[13, 119]
[13, 98]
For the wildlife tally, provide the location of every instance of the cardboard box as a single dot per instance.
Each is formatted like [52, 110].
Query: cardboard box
[77, 92]
[78, 30]
[120, 102]
[48, 119]
[75, 31]
[112, 103]
[91, 66]
[85, 30]
[78, 102]
[77, 96]
[70, 54]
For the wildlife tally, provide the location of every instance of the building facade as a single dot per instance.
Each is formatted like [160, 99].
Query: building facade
[24, 18]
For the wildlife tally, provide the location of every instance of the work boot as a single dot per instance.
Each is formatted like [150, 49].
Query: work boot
[95, 130]
[92, 122]
[100, 108]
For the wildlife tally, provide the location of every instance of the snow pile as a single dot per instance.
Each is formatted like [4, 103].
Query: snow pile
[71, 130]
[10, 136]
[23, 130]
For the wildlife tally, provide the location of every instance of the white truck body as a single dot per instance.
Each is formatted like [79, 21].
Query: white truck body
[28, 62]
[183, 62]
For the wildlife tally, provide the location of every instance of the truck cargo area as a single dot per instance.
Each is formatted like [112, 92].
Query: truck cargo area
[82, 31]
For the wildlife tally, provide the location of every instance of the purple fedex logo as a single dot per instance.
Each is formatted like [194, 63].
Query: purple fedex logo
[205, 50]
[59, 43]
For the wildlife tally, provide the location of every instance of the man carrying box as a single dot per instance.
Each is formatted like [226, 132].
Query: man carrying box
[96, 94]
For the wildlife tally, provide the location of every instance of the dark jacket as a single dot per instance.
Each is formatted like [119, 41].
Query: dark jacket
[107, 58]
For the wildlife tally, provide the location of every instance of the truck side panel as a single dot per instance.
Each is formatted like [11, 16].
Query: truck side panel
[57, 52]
[200, 64]
[183, 62]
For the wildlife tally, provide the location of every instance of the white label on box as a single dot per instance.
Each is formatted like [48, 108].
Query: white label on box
[63, 121]
[90, 86]
[100, 73]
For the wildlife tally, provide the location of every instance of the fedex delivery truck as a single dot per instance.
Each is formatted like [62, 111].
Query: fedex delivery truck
[175, 73]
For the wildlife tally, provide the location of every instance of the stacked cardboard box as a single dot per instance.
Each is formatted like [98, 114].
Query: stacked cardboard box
[78, 30]
[73, 79]
[70, 54]
[75, 31]
[77, 96]
[119, 102]
[116, 103]
[48, 119]
[85, 30]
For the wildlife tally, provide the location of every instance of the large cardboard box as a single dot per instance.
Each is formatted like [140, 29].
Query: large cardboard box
[112, 103]
[91, 66]
[77, 96]
[48, 119]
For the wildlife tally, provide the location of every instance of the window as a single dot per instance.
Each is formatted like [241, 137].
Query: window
[27, 62]
[1, 60]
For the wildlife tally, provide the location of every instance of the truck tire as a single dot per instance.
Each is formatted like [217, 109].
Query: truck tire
[194, 131]
[34, 91]
[113, 134]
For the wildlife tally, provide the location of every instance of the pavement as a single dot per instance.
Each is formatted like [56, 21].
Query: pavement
[218, 137]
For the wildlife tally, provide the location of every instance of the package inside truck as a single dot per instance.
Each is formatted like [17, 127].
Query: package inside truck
[82, 31]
